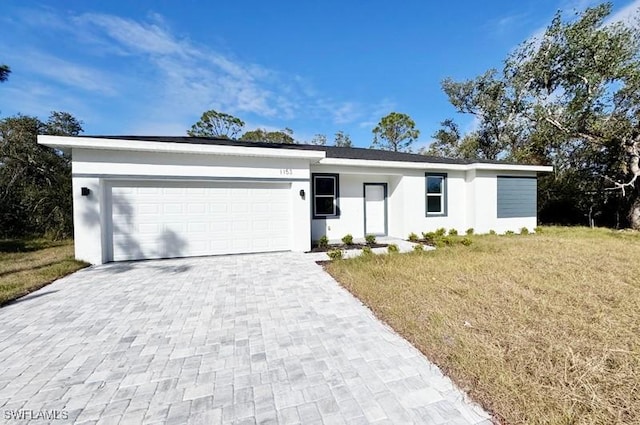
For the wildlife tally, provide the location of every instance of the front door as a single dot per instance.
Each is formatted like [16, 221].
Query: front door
[375, 209]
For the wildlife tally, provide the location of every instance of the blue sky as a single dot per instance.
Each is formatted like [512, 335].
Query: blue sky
[151, 67]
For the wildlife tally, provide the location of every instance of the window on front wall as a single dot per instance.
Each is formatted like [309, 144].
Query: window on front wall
[325, 195]
[436, 194]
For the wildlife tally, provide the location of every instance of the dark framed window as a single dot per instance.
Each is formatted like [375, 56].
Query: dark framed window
[326, 192]
[436, 194]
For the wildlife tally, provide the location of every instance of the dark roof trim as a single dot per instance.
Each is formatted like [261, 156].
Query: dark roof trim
[330, 151]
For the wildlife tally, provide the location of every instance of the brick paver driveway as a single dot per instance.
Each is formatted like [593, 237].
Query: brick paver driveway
[240, 339]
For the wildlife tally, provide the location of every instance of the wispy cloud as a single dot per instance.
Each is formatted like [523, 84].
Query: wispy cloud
[68, 73]
[629, 15]
[174, 78]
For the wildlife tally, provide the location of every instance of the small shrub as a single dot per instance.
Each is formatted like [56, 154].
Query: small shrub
[453, 232]
[440, 232]
[393, 248]
[439, 243]
[524, 231]
[509, 232]
[466, 241]
[469, 231]
[366, 250]
[323, 242]
[492, 232]
[538, 229]
[347, 239]
[335, 254]
[418, 248]
[413, 237]
[371, 239]
[447, 240]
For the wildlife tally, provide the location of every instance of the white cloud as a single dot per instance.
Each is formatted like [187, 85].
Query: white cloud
[628, 15]
[166, 80]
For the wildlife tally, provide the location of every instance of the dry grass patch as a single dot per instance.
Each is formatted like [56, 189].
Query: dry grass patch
[28, 265]
[540, 328]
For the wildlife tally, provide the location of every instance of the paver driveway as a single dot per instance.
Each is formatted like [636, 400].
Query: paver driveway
[240, 339]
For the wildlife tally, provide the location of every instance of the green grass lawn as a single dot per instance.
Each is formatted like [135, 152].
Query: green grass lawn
[540, 328]
[29, 264]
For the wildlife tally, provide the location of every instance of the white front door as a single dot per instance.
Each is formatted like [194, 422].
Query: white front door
[375, 209]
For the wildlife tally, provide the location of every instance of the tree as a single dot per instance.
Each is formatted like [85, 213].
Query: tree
[4, 73]
[319, 140]
[259, 135]
[449, 143]
[395, 132]
[342, 140]
[217, 124]
[570, 98]
[35, 181]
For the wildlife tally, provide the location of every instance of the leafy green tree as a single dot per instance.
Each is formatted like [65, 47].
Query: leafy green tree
[217, 124]
[35, 181]
[259, 135]
[570, 98]
[342, 140]
[395, 132]
[4, 73]
[319, 140]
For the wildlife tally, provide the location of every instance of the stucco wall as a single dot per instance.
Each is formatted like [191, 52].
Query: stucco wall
[471, 202]
[351, 203]
[484, 196]
[94, 169]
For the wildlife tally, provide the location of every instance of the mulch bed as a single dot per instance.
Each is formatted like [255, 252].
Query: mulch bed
[345, 247]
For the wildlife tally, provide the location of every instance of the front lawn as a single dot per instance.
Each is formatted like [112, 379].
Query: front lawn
[540, 328]
[27, 265]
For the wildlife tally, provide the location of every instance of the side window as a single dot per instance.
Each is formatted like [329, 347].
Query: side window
[436, 194]
[325, 195]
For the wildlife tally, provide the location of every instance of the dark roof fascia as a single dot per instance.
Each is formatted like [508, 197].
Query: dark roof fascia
[330, 151]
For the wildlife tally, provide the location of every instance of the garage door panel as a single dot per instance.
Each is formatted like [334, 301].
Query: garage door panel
[180, 220]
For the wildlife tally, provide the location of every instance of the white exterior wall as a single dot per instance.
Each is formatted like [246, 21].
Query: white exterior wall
[415, 219]
[484, 195]
[88, 220]
[351, 201]
[96, 168]
[471, 202]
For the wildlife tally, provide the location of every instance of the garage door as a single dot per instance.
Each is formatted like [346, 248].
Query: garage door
[152, 220]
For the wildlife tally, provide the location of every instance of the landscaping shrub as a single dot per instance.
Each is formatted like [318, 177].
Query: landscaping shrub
[440, 232]
[492, 232]
[470, 231]
[366, 250]
[509, 232]
[453, 232]
[335, 254]
[347, 239]
[371, 239]
[393, 248]
[466, 241]
[524, 231]
[418, 248]
[413, 237]
[538, 229]
[323, 242]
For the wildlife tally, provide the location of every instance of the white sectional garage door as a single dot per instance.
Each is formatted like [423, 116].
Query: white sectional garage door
[165, 220]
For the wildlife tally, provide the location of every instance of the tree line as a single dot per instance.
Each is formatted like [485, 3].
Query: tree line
[224, 126]
[394, 132]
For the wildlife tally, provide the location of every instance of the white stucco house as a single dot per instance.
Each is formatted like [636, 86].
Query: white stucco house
[140, 197]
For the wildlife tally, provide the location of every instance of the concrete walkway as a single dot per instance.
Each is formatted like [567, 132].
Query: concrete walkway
[251, 339]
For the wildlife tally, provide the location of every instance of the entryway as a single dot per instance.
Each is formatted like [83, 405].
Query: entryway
[375, 209]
